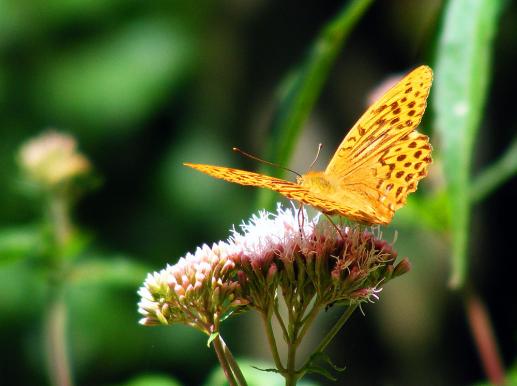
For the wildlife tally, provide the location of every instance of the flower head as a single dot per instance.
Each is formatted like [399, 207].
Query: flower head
[52, 158]
[199, 290]
[310, 258]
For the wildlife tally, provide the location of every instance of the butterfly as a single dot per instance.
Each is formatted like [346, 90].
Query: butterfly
[376, 166]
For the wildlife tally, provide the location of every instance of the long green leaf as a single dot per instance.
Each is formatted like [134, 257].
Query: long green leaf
[496, 174]
[19, 243]
[462, 74]
[304, 87]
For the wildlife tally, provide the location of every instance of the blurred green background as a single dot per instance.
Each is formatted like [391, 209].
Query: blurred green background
[145, 86]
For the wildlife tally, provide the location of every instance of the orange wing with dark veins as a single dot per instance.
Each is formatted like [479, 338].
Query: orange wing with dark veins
[383, 157]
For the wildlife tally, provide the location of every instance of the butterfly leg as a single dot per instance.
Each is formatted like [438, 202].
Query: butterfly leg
[301, 220]
[335, 226]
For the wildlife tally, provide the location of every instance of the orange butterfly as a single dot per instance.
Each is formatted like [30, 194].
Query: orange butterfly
[377, 165]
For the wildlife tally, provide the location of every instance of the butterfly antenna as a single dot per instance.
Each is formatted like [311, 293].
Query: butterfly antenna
[320, 146]
[265, 162]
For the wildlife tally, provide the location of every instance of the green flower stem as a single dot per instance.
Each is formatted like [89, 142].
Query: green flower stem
[233, 363]
[330, 335]
[335, 329]
[280, 321]
[266, 319]
[223, 361]
[495, 175]
[308, 320]
[291, 375]
[57, 359]
[60, 217]
[56, 329]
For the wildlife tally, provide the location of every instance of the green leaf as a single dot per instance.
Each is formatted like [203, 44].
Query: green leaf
[462, 74]
[511, 378]
[254, 376]
[429, 212]
[496, 174]
[151, 380]
[321, 371]
[211, 338]
[302, 88]
[313, 367]
[268, 370]
[18, 243]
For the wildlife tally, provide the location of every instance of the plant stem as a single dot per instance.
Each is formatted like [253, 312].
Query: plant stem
[290, 375]
[331, 334]
[55, 329]
[294, 325]
[233, 363]
[335, 329]
[266, 320]
[482, 331]
[223, 361]
[57, 360]
[60, 218]
[281, 322]
[309, 319]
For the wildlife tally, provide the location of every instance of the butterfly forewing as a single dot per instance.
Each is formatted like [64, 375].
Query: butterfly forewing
[289, 189]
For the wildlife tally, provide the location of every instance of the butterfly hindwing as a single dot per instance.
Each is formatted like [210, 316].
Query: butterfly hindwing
[403, 166]
[382, 158]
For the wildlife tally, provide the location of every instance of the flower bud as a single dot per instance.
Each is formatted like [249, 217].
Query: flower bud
[52, 158]
[403, 267]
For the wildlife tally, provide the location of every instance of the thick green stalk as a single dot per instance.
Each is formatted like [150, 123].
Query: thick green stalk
[233, 363]
[266, 320]
[55, 330]
[56, 324]
[223, 361]
[330, 335]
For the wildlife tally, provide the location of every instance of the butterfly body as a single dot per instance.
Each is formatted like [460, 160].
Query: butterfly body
[376, 166]
[318, 182]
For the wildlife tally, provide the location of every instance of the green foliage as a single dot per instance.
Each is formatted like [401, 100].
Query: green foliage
[302, 87]
[511, 378]
[19, 243]
[254, 376]
[151, 380]
[122, 77]
[495, 174]
[462, 75]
